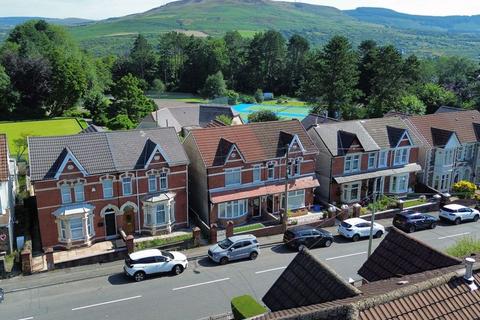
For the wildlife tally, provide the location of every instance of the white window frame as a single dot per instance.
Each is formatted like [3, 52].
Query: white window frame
[402, 156]
[127, 183]
[271, 170]
[152, 183]
[107, 191]
[163, 181]
[297, 170]
[232, 209]
[79, 190]
[82, 236]
[63, 230]
[383, 159]
[347, 191]
[372, 157]
[66, 193]
[257, 173]
[235, 173]
[161, 208]
[350, 160]
[293, 196]
[448, 156]
[397, 180]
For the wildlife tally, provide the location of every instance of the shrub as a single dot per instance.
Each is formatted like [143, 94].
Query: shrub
[245, 306]
[158, 86]
[259, 96]
[247, 99]
[120, 122]
[77, 113]
[214, 86]
[381, 204]
[226, 120]
[232, 97]
[464, 247]
[263, 116]
[155, 243]
[464, 189]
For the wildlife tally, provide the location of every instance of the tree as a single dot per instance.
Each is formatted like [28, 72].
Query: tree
[410, 104]
[296, 63]
[226, 120]
[259, 95]
[464, 189]
[120, 122]
[263, 116]
[143, 60]
[367, 54]
[435, 96]
[21, 145]
[97, 104]
[214, 86]
[129, 100]
[236, 47]
[232, 97]
[172, 56]
[8, 97]
[456, 74]
[158, 86]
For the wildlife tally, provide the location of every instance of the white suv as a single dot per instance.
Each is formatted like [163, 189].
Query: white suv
[457, 213]
[356, 228]
[146, 262]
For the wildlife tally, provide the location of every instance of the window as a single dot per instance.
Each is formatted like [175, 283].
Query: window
[399, 184]
[460, 153]
[382, 160]
[163, 181]
[351, 192]
[257, 170]
[79, 192]
[76, 228]
[63, 229]
[448, 160]
[232, 209]
[297, 170]
[152, 183]
[160, 213]
[401, 156]
[127, 186]
[107, 188]
[352, 163]
[90, 225]
[296, 199]
[372, 157]
[66, 193]
[271, 170]
[469, 152]
[233, 176]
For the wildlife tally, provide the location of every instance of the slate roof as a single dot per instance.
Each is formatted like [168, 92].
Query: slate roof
[443, 109]
[307, 281]
[401, 254]
[101, 152]
[314, 119]
[462, 123]
[255, 141]
[387, 131]
[92, 128]
[4, 173]
[329, 134]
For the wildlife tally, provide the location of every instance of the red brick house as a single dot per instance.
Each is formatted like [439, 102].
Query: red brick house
[238, 173]
[363, 157]
[88, 186]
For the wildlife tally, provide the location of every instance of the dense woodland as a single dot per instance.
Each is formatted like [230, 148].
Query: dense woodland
[44, 73]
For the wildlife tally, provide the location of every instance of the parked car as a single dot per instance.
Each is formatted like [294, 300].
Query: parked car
[457, 213]
[235, 248]
[307, 236]
[142, 263]
[411, 221]
[356, 228]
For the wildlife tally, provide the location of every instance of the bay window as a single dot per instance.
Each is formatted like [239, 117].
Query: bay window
[351, 192]
[107, 185]
[352, 163]
[63, 229]
[160, 213]
[233, 176]
[296, 199]
[399, 183]
[232, 209]
[76, 228]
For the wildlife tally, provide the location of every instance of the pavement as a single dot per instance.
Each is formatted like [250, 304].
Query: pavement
[204, 289]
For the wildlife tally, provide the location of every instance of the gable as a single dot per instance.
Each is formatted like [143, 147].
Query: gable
[67, 163]
[296, 145]
[348, 143]
[453, 142]
[405, 140]
[152, 152]
[234, 154]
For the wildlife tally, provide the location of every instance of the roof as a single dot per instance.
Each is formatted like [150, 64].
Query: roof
[241, 237]
[443, 109]
[453, 206]
[387, 132]
[103, 152]
[463, 123]
[92, 128]
[401, 254]
[314, 119]
[307, 281]
[145, 253]
[441, 137]
[4, 172]
[411, 167]
[354, 221]
[338, 136]
[255, 141]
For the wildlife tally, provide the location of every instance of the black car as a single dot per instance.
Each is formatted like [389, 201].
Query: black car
[307, 236]
[412, 221]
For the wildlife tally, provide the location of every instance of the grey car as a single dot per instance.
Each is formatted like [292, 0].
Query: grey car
[235, 248]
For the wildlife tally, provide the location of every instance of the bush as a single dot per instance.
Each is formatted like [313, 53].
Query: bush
[464, 247]
[214, 86]
[120, 122]
[464, 189]
[247, 99]
[76, 113]
[382, 203]
[232, 97]
[259, 96]
[263, 116]
[244, 307]
[226, 120]
[158, 86]
[155, 243]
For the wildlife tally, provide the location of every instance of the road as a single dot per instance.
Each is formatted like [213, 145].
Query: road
[203, 289]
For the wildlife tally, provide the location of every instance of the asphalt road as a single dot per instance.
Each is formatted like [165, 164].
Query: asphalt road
[203, 289]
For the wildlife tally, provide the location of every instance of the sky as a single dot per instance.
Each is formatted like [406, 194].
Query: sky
[101, 9]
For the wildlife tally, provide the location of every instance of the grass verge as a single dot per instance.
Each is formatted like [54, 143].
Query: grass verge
[248, 227]
[155, 243]
[414, 202]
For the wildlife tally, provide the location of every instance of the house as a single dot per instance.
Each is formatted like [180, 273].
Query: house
[184, 118]
[8, 189]
[312, 120]
[238, 172]
[364, 157]
[434, 286]
[89, 186]
[449, 147]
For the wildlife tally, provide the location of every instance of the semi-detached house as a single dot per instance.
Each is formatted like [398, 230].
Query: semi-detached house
[89, 186]
[8, 188]
[238, 173]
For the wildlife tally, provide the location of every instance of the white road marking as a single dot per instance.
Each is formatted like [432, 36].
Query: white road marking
[200, 284]
[347, 255]
[268, 270]
[104, 303]
[28, 318]
[454, 235]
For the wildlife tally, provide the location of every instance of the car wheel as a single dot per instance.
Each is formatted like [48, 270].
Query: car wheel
[139, 276]
[355, 237]
[411, 229]
[301, 247]
[177, 269]
[433, 225]
[253, 255]
[457, 221]
[475, 219]
[223, 260]
[378, 234]
[327, 243]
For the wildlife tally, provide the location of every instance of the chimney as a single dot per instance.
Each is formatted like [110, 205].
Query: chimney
[469, 270]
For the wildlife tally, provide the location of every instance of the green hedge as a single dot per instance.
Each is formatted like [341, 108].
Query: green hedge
[246, 306]
[155, 243]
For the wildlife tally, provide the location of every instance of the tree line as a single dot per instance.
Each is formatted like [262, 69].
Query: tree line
[43, 73]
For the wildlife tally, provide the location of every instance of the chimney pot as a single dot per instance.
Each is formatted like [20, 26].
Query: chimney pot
[469, 269]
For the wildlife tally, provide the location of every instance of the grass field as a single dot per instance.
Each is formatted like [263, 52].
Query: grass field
[55, 127]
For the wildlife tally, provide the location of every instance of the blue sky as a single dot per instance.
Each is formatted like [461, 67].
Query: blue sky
[100, 9]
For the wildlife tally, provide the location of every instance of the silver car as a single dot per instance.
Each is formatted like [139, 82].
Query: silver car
[235, 248]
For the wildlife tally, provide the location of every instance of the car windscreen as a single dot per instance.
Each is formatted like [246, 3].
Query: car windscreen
[167, 254]
[224, 244]
[346, 225]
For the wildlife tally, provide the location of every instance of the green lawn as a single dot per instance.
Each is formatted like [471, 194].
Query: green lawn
[412, 203]
[248, 227]
[54, 127]
[155, 243]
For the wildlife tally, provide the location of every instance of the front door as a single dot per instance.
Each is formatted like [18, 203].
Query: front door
[255, 207]
[129, 220]
[270, 203]
[110, 225]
